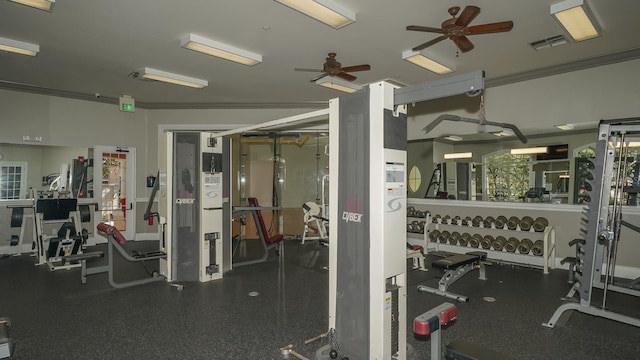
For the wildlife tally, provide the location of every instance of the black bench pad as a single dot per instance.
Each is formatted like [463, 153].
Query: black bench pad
[83, 256]
[462, 350]
[455, 261]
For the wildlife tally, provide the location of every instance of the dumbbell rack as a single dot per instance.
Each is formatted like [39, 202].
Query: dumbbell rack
[546, 261]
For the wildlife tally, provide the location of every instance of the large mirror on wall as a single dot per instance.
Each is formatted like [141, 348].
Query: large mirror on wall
[549, 169]
[283, 169]
[29, 169]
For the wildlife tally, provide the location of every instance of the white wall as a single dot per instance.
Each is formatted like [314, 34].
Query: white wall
[589, 95]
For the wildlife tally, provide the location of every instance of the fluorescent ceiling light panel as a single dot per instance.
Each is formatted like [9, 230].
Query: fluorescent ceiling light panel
[563, 176]
[564, 127]
[428, 62]
[325, 11]
[631, 144]
[337, 83]
[463, 155]
[153, 74]
[528, 151]
[576, 19]
[46, 5]
[453, 138]
[214, 48]
[19, 47]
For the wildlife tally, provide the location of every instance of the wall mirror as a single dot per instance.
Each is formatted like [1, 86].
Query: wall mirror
[26, 169]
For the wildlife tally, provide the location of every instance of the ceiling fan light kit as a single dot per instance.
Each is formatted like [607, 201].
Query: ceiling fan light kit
[177, 79]
[337, 83]
[46, 5]
[576, 19]
[19, 47]
[427, 61]
[214, 48]
[325, 11]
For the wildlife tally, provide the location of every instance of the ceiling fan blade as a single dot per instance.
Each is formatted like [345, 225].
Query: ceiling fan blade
[489, 28]
[468, 14]
[463, 43]
[363, 67]
[429, 43]
[425, 28]
[308, 70]
[346, 76]
[318, 77]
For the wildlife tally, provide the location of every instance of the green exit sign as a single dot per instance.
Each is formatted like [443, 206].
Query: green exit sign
[127, 103]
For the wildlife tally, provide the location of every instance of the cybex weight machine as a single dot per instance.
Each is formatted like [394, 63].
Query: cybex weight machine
[367, 262]
[195, 206]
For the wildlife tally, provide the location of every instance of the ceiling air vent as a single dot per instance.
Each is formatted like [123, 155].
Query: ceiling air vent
[549, 42]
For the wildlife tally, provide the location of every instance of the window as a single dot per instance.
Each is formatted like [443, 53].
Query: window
[13, 178]
[507, 177]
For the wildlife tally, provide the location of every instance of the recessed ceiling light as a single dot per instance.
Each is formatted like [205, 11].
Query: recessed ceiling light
[453, 138]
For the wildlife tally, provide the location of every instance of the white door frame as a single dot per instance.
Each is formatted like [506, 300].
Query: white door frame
[130, 219]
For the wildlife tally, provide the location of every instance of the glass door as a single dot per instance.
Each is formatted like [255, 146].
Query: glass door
[114, 186]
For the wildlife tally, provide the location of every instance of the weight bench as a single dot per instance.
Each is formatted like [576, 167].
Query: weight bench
[267, 241]
[431, 323]
[456, 266]
[116, 241]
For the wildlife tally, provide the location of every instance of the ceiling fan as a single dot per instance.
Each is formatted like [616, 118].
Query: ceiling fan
[457, 28]
[333, 68]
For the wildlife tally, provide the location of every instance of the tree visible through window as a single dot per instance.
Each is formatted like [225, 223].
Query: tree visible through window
[13, 178]
[507, 175]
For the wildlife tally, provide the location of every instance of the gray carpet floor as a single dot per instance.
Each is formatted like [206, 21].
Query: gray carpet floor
[56, 317]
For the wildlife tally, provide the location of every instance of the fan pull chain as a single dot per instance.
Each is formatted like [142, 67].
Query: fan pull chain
[481, 111]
